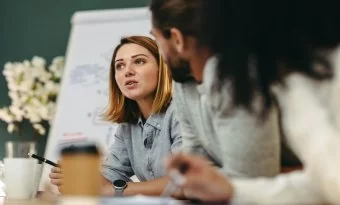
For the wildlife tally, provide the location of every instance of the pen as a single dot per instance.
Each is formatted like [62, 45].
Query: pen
[176, 180]
[42, 159]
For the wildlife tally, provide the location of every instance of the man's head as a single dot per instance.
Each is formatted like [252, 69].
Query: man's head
[174, 26]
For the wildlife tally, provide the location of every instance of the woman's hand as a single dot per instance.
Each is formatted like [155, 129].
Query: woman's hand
[202, 180]
[56, 176]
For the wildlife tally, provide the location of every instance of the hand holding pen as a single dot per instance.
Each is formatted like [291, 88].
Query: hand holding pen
[56, 174]
[200, 179]
[176, 180]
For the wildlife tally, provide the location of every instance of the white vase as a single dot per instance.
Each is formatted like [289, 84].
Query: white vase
[20, 171]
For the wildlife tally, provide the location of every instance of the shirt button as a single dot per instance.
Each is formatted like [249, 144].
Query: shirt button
[149, 168]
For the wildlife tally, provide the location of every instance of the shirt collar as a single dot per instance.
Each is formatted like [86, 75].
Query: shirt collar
[140, 121]
[209, 74]
[154, 120]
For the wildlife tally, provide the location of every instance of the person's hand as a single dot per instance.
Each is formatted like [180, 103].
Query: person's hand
[56, 176]
[202, 180]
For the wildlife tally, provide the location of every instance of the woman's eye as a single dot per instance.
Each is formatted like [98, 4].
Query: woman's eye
[119, 66]
[140, 61]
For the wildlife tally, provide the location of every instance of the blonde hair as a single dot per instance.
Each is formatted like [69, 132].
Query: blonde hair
[121, 109]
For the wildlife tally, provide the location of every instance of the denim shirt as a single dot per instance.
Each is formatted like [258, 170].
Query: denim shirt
[140, 149]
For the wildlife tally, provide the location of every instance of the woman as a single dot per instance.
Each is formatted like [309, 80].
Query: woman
[294, 49]
[140, 101]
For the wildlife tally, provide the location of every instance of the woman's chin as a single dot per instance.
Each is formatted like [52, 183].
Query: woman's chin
[134, 97]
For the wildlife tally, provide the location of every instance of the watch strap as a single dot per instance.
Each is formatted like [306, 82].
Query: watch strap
[119, 191]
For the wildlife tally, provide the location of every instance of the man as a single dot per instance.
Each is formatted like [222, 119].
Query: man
[237, 142]
[294, 52]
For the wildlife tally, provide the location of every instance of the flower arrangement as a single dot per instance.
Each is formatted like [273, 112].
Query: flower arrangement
[33, 89]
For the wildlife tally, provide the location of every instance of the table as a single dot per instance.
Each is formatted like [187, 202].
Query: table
[139, 199]
[3, 201]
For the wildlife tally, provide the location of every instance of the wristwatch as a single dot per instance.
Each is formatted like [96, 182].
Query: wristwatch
[119, 186]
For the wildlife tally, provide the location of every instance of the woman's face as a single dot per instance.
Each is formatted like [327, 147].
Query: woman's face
[136, 72]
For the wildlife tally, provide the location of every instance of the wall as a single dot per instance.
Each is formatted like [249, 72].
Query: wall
[39, 27]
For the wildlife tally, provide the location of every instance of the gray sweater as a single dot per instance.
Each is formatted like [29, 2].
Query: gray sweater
[236, 141]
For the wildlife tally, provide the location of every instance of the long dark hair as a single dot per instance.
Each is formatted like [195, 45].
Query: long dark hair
[259, 42]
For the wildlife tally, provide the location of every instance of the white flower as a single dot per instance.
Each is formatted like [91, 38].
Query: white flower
[44, 98]
[41, 130]
[36, 72]
[58, 63]
[26, 85]
[32, 90]
[8, 71]
[6, 116]
[27, 63]
[13, 95]
[19, 118]
[18, 114]
[49, 86]
[52, 88]
[8, 65]
[34, 117]
[38, 61]
[10, 127]
[13, 86]
[43, 112]
[16, 103]
[57, 66]
[24, 98]
[19, 69]
[58, 74]
[35, 102]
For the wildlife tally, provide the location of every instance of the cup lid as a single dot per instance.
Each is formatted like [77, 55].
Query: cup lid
[80, 149]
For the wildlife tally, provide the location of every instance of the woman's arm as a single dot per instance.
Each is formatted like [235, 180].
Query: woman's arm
[206, 183]
[117, 163]
[151, 188]
[311, 131]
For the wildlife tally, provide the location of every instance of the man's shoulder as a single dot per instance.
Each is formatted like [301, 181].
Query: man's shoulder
[185, 86]
[185, 90]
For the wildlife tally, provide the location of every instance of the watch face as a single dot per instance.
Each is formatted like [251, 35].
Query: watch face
[119, 183]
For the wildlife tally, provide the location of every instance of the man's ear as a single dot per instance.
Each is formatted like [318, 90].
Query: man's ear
[177, 39]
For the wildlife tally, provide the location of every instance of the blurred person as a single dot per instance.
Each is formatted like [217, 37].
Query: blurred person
[140, 102]
[289, 52]
[237, 142]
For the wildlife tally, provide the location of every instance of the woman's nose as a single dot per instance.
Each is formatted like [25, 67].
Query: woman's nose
[129, 71]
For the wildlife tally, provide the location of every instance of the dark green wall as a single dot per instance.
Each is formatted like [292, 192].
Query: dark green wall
[39, 27]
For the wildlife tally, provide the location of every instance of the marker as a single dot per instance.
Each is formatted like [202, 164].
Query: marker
[42, 159]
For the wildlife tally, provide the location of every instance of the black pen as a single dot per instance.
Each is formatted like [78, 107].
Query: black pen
[42, 159]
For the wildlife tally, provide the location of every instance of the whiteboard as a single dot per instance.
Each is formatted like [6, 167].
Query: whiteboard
[84, 87]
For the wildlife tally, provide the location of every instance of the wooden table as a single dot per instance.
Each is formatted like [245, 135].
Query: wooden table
[4, 201]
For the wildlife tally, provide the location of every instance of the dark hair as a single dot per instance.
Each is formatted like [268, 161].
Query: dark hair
[180, 14]
[259, 42]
